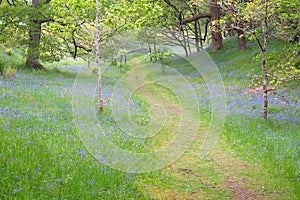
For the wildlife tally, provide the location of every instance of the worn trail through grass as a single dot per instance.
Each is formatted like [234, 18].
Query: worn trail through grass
[220, 175]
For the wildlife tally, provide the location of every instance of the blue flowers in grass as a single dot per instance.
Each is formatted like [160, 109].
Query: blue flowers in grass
[82, 153]
[18, 190]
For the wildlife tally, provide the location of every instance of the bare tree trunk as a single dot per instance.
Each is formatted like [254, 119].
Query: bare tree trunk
[184, 41]
[149, 47]
[100, 95]
[89, 60]
[241, 40]
[188, 41]
[186, 51]
[216, 33]
[265, 85]
[200, 35]
[197, 36]
[264, 65]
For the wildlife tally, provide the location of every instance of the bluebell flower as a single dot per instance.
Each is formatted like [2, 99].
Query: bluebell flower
[82, 153]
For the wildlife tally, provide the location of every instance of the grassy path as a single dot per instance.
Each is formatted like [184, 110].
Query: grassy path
[220, 175]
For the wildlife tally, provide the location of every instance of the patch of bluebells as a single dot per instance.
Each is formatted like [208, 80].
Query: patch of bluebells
[281, 146]
[252, 105]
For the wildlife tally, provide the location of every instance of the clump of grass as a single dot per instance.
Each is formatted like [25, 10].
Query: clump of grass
[2, 66]
[10, 72]
[9, 51]
[55, 68]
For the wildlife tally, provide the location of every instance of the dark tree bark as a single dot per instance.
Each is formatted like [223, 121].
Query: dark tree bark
[197, 36]
[201, 40]
[241, 40]
[35, 31]
[206, 31]
[216, 33]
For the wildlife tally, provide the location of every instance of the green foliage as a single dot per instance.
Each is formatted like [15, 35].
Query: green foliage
[161, 55]
[10, 72]
[7, 71]
[289, 27]
[9, 51]
[283, 66]
[94, 70]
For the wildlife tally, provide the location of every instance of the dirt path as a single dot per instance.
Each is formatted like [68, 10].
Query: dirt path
[220, 175]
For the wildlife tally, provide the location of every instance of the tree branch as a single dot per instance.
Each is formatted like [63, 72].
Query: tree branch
[172, 5]
[196, 17]
[258, 40]
[44, 20]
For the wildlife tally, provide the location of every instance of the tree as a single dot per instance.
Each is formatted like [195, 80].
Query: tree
[35, 30]
[26, 16]
[216, 34]
[98, 65]
[232, 22]
[214, 16]
[13, 29]
[261, 19]
[72, 29]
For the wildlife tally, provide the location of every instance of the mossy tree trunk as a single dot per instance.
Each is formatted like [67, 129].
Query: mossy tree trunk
[35, 30]
[216, 33]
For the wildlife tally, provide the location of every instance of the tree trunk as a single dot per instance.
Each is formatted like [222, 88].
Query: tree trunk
[149, 47]
[265, 85]
[200, 35]
[185, 50]
[188, 40]
[197, 36]
[184, 41]
[241, 40]
[35, 31]
[100, 93]
[88, 60]
[264, 66]
[216, 33]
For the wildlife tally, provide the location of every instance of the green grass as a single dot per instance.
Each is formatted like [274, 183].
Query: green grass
[42, 157]
[274, 143]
